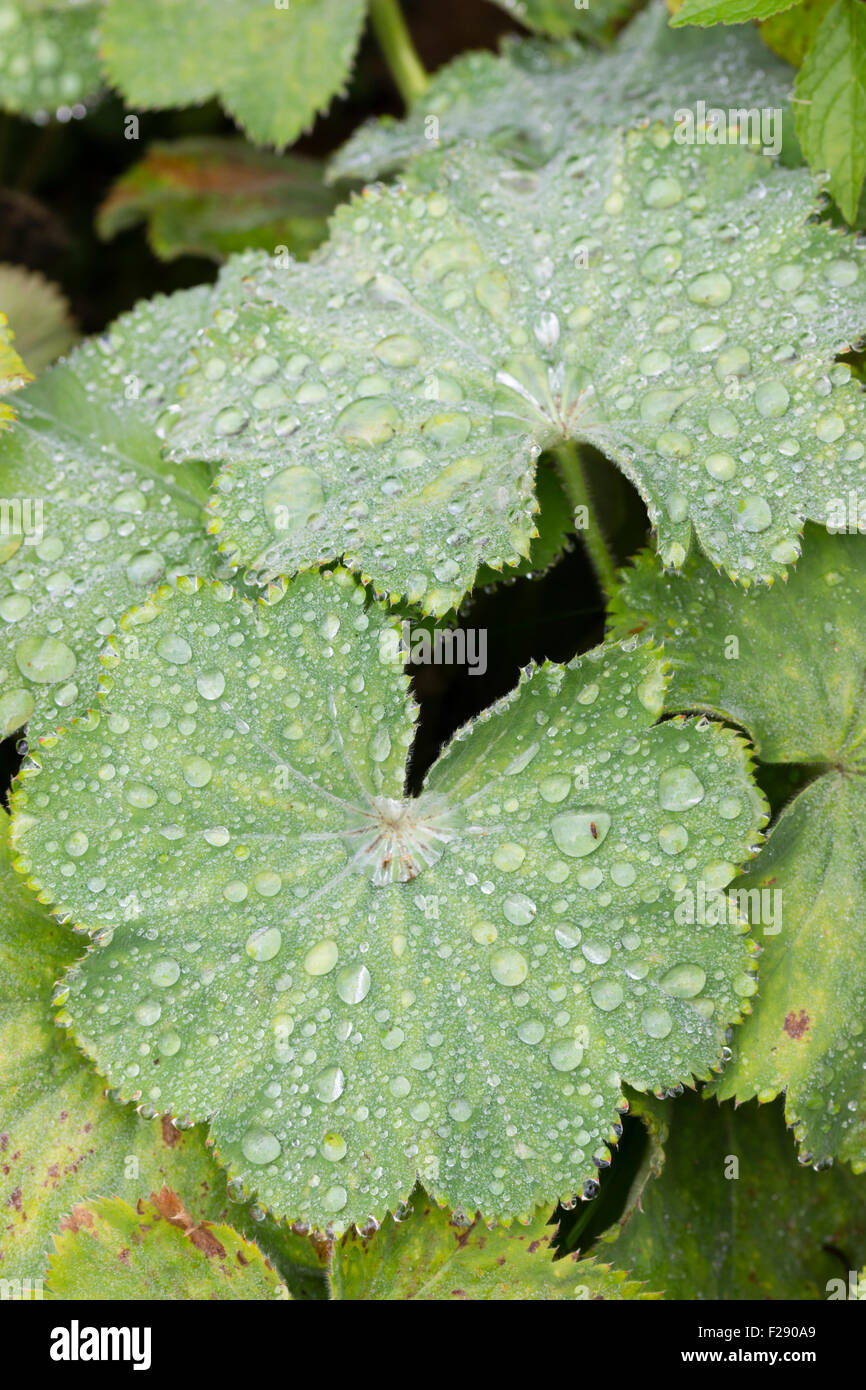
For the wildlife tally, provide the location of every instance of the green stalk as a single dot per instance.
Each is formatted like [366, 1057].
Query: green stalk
[396, 44]
[574, 480]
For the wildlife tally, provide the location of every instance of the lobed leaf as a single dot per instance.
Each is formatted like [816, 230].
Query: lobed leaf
[536, 98]
[212, 196]
[362, 991]
[154, 1251]
[273, 67]
[429, 1254]
[787, 666]
[733, 1216]
[39, 314]
[418, 365]
[92, 516]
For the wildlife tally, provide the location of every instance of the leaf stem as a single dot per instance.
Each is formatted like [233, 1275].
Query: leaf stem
[399, 51]
[573, 473]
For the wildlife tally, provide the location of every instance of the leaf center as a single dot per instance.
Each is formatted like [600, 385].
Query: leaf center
[394, 840]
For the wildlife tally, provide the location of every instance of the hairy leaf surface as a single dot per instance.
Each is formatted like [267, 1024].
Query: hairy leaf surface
[154, 1251]
[734, 1216]
[363, 991]
[95, 517]
[536, 97]
[787, 665]
[387, 402]
[431, 1255]
[273, 68]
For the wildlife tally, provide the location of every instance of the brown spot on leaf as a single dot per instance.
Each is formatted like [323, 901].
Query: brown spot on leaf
[79, 1217]
[205, 1241]
[170, 1135]
[797, 1024]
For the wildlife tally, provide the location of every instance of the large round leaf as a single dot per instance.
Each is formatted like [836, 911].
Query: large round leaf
[361, 989]
[386, 402]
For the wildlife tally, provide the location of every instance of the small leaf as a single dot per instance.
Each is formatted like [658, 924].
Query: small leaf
[537, 98]
[429, 1254]
[364, 990]
[427, 355]
[48, 55]
[211, 196]
[831, 103]
[734, 1216]
[154, 1251]
[727, 11]
[38, 312]
[273, 68]
[96, 516]
[788, 667]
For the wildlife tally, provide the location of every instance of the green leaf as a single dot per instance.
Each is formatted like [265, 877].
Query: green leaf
[727, 11]
[417, 366]
[60, 1138]
[430, 1254]
[537, 98]
[38, 311]
[363, 990]
[831, 103]
[790, 33]
[559, 18]
[734, 1216]
[787, 666]
[154, 1251]
[211, 196]
[48, 55]
[96, 516]
[274, 68]
[13, 372]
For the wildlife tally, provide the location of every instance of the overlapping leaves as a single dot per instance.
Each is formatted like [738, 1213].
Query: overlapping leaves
[536, 97]
[362, 991]
[733, 1215]
[449, 338]
[787, 665]
[429, 1255]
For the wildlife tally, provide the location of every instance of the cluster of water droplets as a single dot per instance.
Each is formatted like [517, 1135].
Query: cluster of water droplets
[48, 59]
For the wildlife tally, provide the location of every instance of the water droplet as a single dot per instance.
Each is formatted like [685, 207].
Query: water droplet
[330, 1084]
[578, 833]
[508, 967]
[566, 1055]
[606, 994]
[321, 958]
[684, 981]
[656, 1023]
[353, 983]
[45, 659]
[679, 789]
[264, 944]
[260, 1146]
